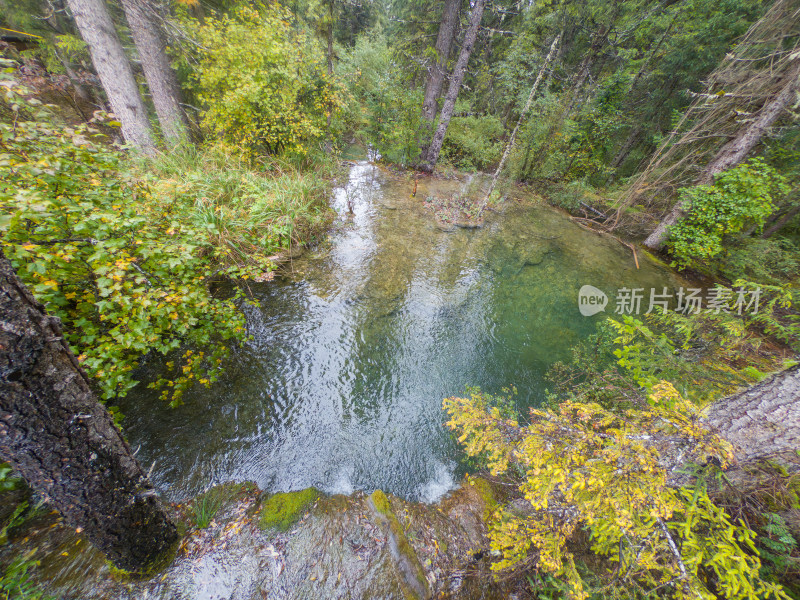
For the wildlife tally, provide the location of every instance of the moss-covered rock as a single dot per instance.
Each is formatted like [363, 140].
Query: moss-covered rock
[414, 583]
[280, 511]
[486, 493]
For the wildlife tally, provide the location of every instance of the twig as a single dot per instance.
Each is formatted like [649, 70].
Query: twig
[674, 548]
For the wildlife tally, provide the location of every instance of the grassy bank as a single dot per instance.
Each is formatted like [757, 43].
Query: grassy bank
[250, 210]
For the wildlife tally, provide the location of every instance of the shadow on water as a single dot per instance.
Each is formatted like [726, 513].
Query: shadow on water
[355, 346]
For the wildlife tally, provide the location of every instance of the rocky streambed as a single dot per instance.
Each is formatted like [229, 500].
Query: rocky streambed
[302, 544]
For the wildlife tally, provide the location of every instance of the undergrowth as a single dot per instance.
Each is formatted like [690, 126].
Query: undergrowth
[253, 210]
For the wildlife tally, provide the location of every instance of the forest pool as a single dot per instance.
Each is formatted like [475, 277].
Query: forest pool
[356, 344]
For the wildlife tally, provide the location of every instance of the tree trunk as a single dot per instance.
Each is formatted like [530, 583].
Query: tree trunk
[762, 421]
[781, 222]
[435, 82]
[114, 70]
[598, 43]
[454, 88]
[735, 151]
[627, 146]
[161, 79]
[526, 108]
[64, 443]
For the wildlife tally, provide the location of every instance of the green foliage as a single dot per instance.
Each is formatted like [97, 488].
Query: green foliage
[259, 74]
[740, 198]
[17, 517]
[282, 510]
[587, 467]
[60, 49]
[125, 275]
[206, 506]
[705, 355]
[382, 109]
[772, 261]
[777, 545]
[571, 195]
[8, 481]
[473, 143]
[16, 583]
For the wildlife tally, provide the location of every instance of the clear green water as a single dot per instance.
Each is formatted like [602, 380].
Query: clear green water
[356, 345]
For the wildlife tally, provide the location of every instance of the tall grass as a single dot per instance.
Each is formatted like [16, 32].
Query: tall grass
[253, 210]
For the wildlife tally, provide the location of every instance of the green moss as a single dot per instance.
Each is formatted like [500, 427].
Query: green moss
[281, 511]
[381, 503]
[411, 574]
[793, 487]
[155, 566]
[484, 489]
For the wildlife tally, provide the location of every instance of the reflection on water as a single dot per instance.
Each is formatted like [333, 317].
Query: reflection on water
[354, 349]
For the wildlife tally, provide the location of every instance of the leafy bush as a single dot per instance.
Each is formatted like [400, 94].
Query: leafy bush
[704, 355]
[260, 75]
[772, 261]
[382, 109]
[571, 195]
[587, 467]
[740, 198]
[124, 274]
[473, 143]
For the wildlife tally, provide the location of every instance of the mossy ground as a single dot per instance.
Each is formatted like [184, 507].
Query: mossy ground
[280, 511]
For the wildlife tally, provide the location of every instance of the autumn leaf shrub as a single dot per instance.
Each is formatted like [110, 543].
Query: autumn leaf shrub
[740, 198]
[125, 275]
[611, 474]
[260, 76]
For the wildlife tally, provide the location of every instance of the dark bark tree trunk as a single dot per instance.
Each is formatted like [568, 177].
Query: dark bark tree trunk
[436, 76]
[114, 70]
[762, 421]
[736, 150]
[64, 443]
[443, 48]
[454, 88]
[161, 79]
[781, 222]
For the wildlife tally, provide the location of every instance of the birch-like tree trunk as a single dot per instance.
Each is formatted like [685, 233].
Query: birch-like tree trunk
[526, 108]
[736, 150]
[114, 70]
[456, 79]
[161, 79]
[64, 442]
